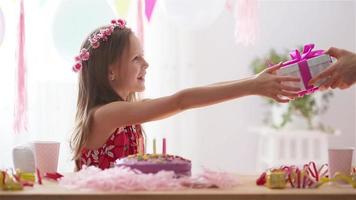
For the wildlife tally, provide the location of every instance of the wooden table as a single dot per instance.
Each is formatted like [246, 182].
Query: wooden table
[245, 190]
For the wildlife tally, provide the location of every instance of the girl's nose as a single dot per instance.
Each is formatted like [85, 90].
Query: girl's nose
[145, 64]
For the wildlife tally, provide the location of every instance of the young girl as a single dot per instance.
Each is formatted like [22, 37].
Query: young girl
[112, 69]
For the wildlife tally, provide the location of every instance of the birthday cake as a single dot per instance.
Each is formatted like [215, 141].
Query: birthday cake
[153, 163]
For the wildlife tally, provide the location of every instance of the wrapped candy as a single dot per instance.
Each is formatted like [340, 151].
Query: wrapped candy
[53, 176]
[339, 177]
[2, 178]
[276, 179]
[25, 176]
[10, 182]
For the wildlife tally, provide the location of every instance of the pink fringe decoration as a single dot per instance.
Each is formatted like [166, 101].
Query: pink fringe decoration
[125, 179]
[229, 5]
[149, 6]
[140, 28]
[246, 21]
[20, 120]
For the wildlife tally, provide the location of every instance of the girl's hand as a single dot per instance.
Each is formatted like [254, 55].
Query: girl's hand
[268, 84]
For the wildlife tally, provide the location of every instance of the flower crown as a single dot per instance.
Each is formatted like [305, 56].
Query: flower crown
[95, 40]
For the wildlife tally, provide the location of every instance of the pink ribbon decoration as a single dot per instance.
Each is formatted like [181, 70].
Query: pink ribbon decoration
[301, 59]
[246, 20]
[149, 6]
[20, 118]
[229, 5]
[140, 28]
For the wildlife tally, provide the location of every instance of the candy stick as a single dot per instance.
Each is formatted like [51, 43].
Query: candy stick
[139, 146]
[39, 176]
[154, 146]
[140, 151]
[142, 146]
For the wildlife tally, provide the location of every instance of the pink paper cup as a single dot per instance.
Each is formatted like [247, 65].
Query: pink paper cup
[46, 156]
[340, 160]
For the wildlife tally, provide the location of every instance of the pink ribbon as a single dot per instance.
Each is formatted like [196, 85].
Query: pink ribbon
[140, 26]
[20, 118]
[301, 59]
[149, 6]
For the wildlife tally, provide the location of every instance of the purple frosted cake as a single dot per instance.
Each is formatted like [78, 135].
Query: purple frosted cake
[153, 163]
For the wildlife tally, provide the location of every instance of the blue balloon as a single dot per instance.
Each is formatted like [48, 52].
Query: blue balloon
[74, 20]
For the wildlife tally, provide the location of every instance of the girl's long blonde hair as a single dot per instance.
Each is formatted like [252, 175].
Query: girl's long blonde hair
[94, 88]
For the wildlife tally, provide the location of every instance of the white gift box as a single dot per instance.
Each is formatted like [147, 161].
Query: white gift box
[315, 65]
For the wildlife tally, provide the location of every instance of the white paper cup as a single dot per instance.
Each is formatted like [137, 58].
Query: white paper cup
[340, 160]
[46, 156]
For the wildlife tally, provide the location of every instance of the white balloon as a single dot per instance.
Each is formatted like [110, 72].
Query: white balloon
[2, 26]
[192, 14]
[73, 21]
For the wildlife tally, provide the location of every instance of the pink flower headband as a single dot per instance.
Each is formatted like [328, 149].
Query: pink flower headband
[95, 40]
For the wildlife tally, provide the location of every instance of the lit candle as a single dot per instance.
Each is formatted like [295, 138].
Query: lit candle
[142, 145]
[154, 146]
[164, 147]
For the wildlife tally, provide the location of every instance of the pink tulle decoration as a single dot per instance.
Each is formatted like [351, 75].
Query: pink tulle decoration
[20, 118]
[218, 179]
[125, 179]
[246, 21]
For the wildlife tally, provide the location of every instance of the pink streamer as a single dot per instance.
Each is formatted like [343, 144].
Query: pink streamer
[140, 28]
[149, 6]
[20, 120]
[246, 21]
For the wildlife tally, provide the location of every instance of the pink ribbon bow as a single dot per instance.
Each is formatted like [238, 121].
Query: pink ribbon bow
[301, 59]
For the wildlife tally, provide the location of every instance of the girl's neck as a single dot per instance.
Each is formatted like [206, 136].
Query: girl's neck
[123, 95]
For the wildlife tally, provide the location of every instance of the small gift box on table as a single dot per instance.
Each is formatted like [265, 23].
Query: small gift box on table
[305, 65]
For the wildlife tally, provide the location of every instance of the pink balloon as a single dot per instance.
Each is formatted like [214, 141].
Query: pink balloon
[2, 26]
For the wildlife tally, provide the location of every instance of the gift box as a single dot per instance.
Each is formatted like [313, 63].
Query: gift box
[305, 65]
[276, 179]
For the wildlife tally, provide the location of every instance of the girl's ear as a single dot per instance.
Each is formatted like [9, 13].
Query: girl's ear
[111, 72]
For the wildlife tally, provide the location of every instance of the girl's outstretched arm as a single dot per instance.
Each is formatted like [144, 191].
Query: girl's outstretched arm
[108, 117]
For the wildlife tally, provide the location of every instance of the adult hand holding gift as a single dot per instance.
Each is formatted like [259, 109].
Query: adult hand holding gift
[306, 65]
[341, 74]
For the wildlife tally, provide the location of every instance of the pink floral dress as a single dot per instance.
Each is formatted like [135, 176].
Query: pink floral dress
[123, 142]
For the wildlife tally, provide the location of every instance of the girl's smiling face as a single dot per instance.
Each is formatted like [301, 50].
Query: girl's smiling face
[128, 76]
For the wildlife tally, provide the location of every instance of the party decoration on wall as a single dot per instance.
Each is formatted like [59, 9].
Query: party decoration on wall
[149, 7]
[246, 21]
[192, 15]
[73, 21]
[229, 5]
[140, 25]
[2, 26]
[121, 7]
[20, 118]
